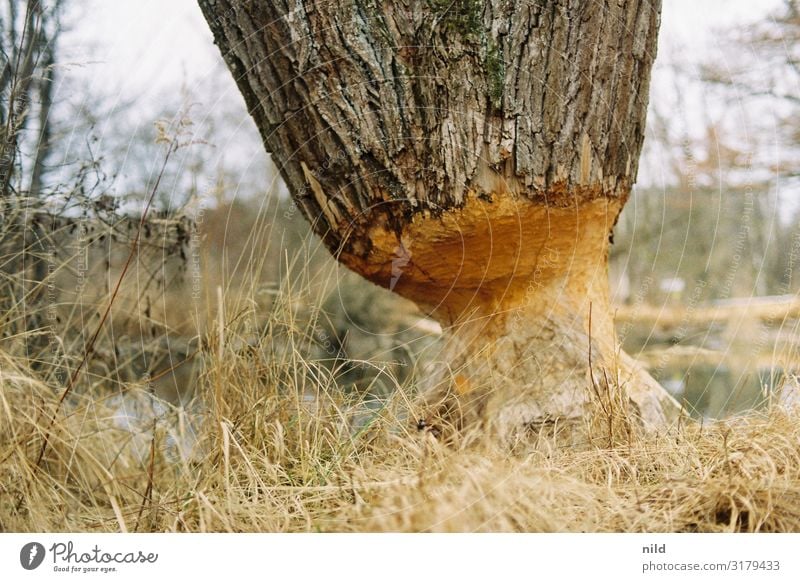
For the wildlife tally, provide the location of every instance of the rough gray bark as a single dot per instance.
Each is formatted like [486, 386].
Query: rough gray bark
[410, 101]
[470, 155]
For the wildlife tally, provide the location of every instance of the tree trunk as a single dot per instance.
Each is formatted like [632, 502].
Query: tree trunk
[472, 156]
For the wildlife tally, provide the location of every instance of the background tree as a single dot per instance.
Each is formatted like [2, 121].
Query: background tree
[27, 56]
[473, 157]
[764, 85]
[28, 34]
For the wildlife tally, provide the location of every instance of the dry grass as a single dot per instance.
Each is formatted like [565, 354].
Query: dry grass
[271, 446]
[273, 442]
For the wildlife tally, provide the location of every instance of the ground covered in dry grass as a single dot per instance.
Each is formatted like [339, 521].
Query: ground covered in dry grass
[272, 445]
[291, 428]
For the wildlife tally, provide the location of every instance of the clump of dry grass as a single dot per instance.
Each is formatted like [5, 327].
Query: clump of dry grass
[285, 449]
[273, 442]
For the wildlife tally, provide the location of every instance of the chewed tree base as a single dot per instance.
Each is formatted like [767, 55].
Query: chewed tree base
[521, 290]
[471, 157]
[540, 389]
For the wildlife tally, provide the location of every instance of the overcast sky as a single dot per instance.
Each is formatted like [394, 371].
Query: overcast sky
[148, 46]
